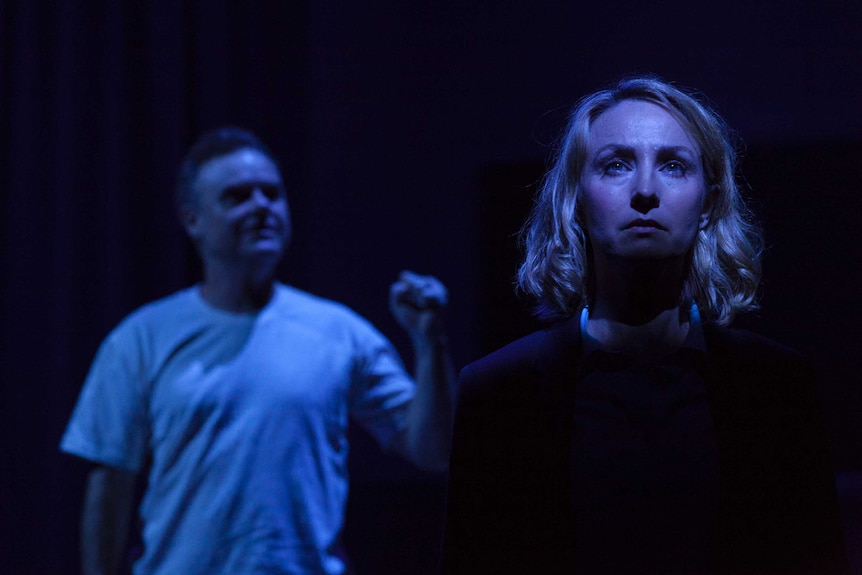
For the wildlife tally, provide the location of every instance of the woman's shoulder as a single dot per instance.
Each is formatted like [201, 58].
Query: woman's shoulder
[528, 357]
[748, 346]
[757, 366]
[517, 356]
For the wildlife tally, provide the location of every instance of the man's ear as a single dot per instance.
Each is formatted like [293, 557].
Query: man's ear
[190, 221]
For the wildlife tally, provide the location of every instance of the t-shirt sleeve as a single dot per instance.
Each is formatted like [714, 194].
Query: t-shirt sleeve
[382, 389]
[108, 425]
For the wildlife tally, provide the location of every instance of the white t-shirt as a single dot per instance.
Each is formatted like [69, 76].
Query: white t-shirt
[242, 419]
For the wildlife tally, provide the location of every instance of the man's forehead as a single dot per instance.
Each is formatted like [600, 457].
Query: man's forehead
[243, 165]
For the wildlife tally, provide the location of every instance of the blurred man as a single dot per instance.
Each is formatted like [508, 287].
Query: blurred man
[234, 395]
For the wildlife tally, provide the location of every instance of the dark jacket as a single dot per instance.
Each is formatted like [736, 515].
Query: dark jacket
[509, 505]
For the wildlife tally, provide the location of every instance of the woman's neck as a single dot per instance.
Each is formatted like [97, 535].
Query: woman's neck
[636, 309]
[647, 341]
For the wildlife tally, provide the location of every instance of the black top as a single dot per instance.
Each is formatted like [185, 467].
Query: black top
[520, 460]
[646, 456]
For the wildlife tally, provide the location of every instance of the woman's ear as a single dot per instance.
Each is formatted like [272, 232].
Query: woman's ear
[708, 204]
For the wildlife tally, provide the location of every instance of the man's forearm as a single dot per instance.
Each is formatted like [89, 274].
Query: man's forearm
[108, 501]
[429, 423]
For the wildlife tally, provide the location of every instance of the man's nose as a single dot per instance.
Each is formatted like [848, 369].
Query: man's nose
[259, 199]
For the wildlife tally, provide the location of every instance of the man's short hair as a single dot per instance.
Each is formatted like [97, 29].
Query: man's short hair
[212, 144]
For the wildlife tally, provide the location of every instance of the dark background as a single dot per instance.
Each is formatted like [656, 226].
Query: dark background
[412, 135]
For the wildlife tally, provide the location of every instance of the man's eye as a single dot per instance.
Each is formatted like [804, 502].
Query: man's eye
[233, 197]
[272, 193]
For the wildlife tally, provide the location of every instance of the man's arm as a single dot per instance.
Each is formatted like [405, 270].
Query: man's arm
[417, 302]
[108, 499]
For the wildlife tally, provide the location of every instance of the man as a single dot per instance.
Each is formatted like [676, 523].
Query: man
[235, 394]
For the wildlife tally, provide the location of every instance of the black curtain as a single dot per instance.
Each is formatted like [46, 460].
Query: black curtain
[411, 136]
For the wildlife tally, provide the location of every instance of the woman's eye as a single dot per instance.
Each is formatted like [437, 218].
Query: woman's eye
[675, 167]
[614, 166]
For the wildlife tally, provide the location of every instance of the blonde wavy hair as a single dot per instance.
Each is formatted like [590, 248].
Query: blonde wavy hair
[724, 262]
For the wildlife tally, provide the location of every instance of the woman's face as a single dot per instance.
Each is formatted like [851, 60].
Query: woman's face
[642, 188]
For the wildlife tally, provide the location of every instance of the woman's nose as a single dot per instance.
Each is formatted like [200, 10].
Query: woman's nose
[645, 196]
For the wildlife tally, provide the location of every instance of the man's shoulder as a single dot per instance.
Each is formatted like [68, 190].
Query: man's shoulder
[319, 314]
[298, 299]
[295, 301]
[180, 299]
[170, 308]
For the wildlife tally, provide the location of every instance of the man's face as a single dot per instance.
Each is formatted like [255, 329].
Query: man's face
[240, 213]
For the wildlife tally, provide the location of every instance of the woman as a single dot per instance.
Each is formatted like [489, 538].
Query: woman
[638, 433]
